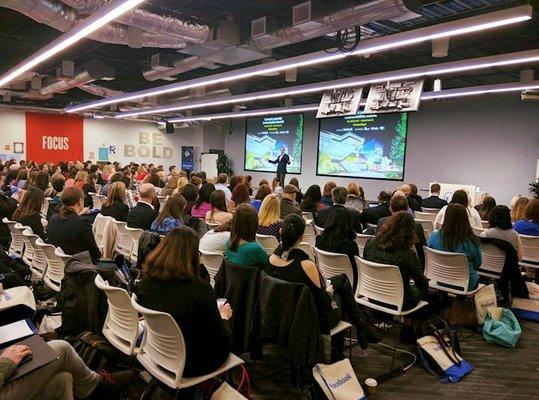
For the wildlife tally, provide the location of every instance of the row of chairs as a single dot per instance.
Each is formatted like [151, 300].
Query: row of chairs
[46, 261]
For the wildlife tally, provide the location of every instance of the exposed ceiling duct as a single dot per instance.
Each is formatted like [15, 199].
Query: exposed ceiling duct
[160, 71]
[305, 26]
[147, 21]
[63, 18]
[92, 71]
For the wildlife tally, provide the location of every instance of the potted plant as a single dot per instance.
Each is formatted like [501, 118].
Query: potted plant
[534, 188]
[224, 164]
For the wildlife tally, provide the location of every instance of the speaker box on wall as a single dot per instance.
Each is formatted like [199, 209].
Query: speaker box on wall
[169, 127]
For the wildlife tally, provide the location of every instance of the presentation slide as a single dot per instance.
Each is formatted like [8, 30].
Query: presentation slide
[264, 138]
[363, 146]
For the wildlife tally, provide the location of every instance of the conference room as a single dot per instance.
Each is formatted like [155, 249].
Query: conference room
[232, 199]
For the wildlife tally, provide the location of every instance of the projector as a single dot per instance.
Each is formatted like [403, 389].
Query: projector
[530, 95]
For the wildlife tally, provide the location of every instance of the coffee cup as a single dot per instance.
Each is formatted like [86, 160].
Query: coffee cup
[371, 385]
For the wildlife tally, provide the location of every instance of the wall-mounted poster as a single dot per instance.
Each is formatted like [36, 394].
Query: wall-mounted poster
[339, 102]
[18, 147]
[188, 158]
[103, 154]
[394, 97]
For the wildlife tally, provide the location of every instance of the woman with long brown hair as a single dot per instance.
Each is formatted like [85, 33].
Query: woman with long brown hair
[28, 212]
[69, 230]
[218, 213]
[457, 236]
[115, 205]
[171, 282]
[240, 195]
[242, 248]
[393, 245]
[171, 216]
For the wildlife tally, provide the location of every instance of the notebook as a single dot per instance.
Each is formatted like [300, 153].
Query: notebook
[42, 354]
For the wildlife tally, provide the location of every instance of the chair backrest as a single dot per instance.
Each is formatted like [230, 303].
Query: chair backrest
[98, 188]
[430, 210]
[56, 261]
[493, 260]
[212, 225]
[485, 224]
[308, 249]
[121, 324]
[97, 200]
[428, 226]
[268, 242]
[361, 240]
[135, 234]
[212, 262]
[530, 248]
[162, 200]
[307, 215]
[39, 262]
[426, 216]
[309, 236]
[45, 207]
[447, 270]
[331, 264]
[124, 241]
[381, 283]
[17, 240]
[162, 351]
[318, 230]
[28, 254]
[477, 231]
[371, 227]
[99, 227]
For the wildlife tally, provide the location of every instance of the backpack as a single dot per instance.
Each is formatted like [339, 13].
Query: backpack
[94, 350]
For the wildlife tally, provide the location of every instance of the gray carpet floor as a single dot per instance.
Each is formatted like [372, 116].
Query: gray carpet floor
[499, 373]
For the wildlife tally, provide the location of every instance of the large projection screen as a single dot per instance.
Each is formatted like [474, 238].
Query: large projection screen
[264, 138]
[371, 146]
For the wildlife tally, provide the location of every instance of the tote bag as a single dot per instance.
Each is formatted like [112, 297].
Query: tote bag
[484, 298]
[338, 381]
[501, 327]
[227, 392]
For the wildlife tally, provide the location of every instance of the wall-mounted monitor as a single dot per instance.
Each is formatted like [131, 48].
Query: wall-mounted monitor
[371, 146]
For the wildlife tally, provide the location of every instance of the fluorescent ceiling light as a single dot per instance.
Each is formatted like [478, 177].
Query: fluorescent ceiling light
[448, 29]
[101, 17]
[469, 91]
[410, 73]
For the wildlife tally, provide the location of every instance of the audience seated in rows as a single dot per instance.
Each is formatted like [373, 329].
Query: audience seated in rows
[457, 236]
[339, 195]
[434, 200]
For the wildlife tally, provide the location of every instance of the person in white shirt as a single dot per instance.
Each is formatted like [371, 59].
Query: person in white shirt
[459, 197]
[214, 241]
[221, 185]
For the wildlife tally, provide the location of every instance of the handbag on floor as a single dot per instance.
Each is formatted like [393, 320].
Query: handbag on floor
[483, 299]
[439, 353]
[338, 381]
[501, 327]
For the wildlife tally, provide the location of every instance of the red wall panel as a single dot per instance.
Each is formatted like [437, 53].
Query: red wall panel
[53, 138]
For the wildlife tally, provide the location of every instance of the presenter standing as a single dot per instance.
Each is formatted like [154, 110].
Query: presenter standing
[282, 161]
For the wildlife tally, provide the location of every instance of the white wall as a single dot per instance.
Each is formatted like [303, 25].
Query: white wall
[488, 141]
[12, 129]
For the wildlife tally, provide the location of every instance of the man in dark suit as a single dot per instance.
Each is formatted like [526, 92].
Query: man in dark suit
[373, 214]
[282, 161]
[288, 201]
[434, 201]
[397, 204]
[412, 203]
[143, 214]
[339, 195]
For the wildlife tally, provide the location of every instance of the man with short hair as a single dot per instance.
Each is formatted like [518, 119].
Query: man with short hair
[411, 202]
[221, 185]
[143, 214]
[288, 201]
[282, 161]
[434, 201]
[399, 203]
[339, 195]
[371, 215]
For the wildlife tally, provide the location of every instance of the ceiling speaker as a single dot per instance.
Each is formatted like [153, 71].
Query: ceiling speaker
[169, 127]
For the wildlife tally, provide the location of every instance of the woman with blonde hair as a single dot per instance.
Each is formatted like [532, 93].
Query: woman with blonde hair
[269, 216]
[171, 185]
[115, 205]
[355, 199]
[80, 179]
[182, 181]
[519, 209]
[108, 171]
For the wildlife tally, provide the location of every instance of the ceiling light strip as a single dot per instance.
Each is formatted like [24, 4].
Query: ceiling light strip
[101, 17]
[448, 29]
[410, 73]
[449, 93]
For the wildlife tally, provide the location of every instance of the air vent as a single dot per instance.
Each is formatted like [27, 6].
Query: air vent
[301, 13]
[258, 27]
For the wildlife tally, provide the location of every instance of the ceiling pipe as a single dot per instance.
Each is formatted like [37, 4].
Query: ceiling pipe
[62, 18]
[150, 22]
[367, 47]
[439, 69]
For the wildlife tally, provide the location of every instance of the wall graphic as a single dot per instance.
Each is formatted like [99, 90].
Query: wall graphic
[53, 138]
